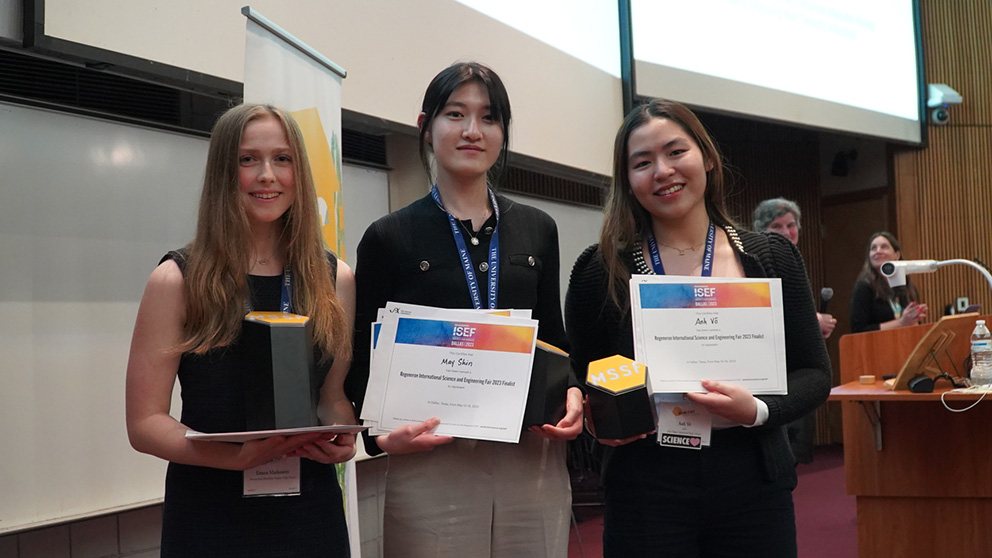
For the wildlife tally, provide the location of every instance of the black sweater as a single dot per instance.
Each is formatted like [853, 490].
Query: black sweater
[868, 311]
[598, 329]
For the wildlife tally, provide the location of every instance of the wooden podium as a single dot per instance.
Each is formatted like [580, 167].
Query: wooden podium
[922, 475]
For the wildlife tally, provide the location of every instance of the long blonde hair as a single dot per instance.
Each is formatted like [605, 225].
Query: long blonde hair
[220, 256]
[625, 220]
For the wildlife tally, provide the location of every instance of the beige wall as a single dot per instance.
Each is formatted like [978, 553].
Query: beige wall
[565, 111]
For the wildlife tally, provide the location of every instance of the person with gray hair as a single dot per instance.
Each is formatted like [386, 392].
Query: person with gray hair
[778, 215]
[782, 216]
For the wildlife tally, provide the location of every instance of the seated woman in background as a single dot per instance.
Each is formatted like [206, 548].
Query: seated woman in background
[874, 304]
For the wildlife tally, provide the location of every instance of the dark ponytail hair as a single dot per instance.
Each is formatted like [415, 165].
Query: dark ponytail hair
[441, 88]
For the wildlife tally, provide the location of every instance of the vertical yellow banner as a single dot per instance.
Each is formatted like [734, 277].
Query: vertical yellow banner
[326, 176]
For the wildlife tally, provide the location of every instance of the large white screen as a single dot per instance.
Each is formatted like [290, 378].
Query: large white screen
[844, 65]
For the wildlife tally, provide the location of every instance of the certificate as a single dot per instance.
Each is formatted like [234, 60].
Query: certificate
[470, 370]
[372, 404]
[687, 329]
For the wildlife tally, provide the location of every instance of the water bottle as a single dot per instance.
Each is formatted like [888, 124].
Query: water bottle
[981, 354]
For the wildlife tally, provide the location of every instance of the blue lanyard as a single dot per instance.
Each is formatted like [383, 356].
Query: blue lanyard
[659, 269]
[286, 295]
[466, 259]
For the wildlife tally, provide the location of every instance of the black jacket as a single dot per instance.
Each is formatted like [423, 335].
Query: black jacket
[410, 256]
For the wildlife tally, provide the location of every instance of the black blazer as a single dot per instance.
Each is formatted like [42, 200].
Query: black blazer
[410, 256]
[867, 310]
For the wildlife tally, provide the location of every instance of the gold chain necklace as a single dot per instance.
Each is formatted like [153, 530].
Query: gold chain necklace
[681, 251]
[266, 259]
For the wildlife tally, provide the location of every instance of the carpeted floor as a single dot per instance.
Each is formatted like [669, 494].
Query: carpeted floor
[825, 514]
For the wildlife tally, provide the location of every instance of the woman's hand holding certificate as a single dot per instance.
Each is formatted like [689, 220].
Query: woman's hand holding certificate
[412, 438]
[731, 402]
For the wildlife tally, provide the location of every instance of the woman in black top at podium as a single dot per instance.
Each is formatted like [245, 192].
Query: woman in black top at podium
[874, 304]
[257, 245]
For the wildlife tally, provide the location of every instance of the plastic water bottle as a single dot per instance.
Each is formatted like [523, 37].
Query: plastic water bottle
[981, 354]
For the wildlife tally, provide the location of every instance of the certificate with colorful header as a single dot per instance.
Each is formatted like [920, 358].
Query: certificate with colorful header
[372, 405]
[471, 371]
[689, 329]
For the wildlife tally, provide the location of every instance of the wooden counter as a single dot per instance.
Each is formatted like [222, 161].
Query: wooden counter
[922, 474]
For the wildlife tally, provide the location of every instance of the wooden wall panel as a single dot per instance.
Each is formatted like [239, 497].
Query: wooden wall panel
[769, 161]
[944, 191]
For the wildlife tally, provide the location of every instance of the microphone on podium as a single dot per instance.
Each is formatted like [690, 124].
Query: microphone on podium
[826, 293]
[895, 271]
[889, 269]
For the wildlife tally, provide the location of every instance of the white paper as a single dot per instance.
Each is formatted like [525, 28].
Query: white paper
[472, 370]
[687, 329]
[259, 434]
[375, 388]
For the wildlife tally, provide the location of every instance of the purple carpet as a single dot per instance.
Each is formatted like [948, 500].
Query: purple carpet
[825, 514]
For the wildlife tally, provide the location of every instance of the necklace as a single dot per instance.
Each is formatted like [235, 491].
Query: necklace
[275, 251]
[681, 251]
[473, 237]
[268, 258]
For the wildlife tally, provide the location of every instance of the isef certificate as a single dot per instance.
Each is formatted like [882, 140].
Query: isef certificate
[473, 372]
[687, 329]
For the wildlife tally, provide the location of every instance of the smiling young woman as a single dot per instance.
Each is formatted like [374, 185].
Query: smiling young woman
[447, 497]
[266, 176]
[665, 214]
[257, 231]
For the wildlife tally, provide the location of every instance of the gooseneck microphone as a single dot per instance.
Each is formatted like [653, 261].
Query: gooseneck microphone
[890, 269]
[826, 293]
[895, 271]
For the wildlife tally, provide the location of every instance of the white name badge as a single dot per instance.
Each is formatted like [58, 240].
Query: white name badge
[279, 477]
[682, 423]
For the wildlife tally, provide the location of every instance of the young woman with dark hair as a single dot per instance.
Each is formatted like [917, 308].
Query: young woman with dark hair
[666, 214]
[451, 249]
